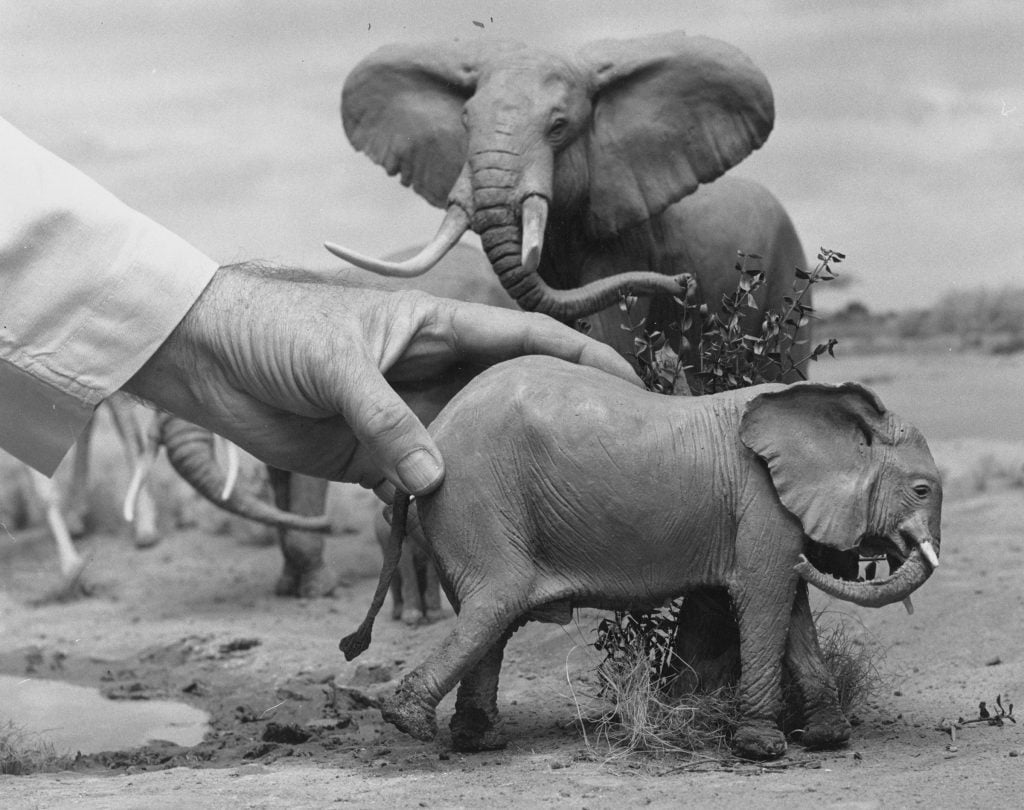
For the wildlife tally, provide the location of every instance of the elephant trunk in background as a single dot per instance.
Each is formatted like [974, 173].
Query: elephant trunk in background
[190, 452]
[515, 254]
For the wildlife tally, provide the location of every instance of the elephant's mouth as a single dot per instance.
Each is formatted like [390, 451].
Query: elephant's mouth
[875, 548]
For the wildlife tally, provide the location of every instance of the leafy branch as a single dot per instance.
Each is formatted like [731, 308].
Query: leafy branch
[727, 356]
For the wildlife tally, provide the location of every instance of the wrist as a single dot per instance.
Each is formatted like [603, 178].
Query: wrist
[171, 378]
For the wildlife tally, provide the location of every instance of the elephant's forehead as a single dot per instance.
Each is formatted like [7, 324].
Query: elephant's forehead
[911, 447]
[527, 72]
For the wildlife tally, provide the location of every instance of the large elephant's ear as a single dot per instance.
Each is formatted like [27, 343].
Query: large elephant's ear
[402, 106]
[820, 444]
[670, 112]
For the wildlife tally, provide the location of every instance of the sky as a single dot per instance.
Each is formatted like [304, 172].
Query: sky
[898, 139]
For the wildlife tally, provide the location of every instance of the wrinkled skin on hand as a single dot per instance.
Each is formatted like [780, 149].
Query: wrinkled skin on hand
[335, 380]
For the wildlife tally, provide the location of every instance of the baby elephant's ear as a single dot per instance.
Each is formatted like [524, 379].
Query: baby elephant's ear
[818, 442]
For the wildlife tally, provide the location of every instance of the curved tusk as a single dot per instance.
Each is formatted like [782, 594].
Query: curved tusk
[535, 220]
[915, 531]
[928, 552]
[231, 474]
[456, 223]
[909, 606]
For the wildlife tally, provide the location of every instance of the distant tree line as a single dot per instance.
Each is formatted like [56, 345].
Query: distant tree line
[982, 318]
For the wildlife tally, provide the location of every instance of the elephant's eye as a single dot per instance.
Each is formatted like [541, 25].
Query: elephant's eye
[922, 490]
[558, 128]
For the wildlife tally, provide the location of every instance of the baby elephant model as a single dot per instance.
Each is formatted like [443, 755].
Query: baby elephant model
[566, 488]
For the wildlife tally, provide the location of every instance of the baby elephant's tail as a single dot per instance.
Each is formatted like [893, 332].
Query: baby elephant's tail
[355, 643]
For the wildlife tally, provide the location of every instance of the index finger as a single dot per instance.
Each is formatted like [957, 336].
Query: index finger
[488, 335]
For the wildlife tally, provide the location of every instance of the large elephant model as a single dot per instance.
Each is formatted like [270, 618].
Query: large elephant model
[300, 500]
[581, 174]
[566, 488]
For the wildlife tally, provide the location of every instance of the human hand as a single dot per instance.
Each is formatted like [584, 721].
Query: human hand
[335, 380]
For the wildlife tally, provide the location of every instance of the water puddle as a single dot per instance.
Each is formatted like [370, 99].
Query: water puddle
[77, 718]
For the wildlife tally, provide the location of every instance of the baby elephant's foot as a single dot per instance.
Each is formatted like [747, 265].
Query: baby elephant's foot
[826, 732]
[474, 730]
[408, 712]
[759, 740]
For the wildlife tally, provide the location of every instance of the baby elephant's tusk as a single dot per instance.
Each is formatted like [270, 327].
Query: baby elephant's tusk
[928, 552]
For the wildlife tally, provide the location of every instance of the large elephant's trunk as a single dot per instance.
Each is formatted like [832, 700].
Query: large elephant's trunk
[190, 451]
[510, 214]
[897, 586]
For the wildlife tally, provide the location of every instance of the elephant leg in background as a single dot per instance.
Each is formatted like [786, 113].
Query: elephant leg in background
[707, 642]
[71, 562]
[415, 590]
[305, 573]
[136, 444]
[823, 722]
[76, 502]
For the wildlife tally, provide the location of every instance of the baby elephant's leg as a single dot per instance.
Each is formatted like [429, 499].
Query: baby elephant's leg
[824, 724]
[763, 613]
[431, 587]
[475, 724]
[478, 627]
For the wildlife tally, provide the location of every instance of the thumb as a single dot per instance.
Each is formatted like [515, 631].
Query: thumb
[391, 433]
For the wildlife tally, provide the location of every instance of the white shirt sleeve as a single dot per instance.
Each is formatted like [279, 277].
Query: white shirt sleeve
[89, 289]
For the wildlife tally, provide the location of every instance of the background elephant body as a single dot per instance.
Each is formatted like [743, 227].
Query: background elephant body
[692, 236]
[566, 488]
[579, 172]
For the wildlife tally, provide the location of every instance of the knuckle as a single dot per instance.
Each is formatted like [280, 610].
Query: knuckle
[385, 421]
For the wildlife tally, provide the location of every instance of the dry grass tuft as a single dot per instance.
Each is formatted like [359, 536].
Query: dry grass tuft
[641, 719]
[644, 717]
[854, 664]
[22, 753]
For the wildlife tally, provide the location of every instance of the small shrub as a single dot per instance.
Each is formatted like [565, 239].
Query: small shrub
[726, 356]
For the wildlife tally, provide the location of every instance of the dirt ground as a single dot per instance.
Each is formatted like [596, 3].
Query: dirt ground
[294, 725]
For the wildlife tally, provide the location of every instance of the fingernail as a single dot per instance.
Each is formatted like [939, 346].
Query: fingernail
[418, 471]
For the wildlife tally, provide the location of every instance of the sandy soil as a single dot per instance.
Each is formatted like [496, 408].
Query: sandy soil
[294, 725]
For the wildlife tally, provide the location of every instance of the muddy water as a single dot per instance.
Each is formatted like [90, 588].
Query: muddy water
[75, 718]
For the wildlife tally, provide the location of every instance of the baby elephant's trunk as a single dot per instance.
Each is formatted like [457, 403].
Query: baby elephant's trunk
[355, 643]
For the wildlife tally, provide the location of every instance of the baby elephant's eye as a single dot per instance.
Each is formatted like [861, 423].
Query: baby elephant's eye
[922, 490]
